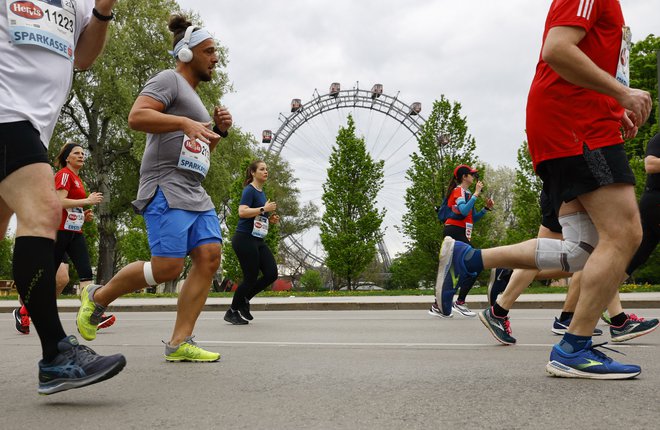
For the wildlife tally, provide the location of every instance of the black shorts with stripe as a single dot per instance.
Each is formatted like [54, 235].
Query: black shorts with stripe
[564, 179]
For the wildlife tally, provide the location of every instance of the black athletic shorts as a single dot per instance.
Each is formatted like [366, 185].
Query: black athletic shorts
[20, 145]
[549, 217]
[566, 178]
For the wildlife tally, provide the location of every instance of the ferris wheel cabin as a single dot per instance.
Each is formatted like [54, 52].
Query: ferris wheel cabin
[266, 136]
[335, 87]
[296, 104]
[415, 108]
[376, 91]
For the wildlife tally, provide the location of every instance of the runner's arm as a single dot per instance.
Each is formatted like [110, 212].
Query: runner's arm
[651, 164]
[92, 39]
[71, 203]
[561, 52]
[147, 115]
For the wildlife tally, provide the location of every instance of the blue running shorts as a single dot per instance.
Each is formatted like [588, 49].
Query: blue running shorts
[176, 232]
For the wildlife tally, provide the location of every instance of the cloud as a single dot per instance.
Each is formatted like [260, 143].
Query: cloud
[481, 54]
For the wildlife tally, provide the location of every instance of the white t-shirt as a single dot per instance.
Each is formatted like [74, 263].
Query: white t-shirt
[34, 80]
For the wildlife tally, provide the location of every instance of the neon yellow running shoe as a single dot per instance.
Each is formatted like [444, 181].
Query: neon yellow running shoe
[189, 351]
[90, 314]
[606, 318]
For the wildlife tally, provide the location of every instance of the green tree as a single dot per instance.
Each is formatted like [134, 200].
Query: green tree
[526, 191]
[350, 226]
[407, 272]
[444, 143]
[492, 228]
[6, 255]
[97, 111]
[311, 280]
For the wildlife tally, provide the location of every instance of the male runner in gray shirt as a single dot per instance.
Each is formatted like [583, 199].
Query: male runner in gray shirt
[179, 214]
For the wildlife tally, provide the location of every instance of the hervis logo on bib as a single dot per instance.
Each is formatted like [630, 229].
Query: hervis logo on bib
[193, 146]
[26, 9]
[258, 224]
[72, 217]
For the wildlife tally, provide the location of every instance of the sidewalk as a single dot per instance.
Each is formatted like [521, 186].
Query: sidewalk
[478, 301]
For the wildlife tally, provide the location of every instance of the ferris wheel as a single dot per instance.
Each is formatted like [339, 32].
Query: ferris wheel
[305, 139]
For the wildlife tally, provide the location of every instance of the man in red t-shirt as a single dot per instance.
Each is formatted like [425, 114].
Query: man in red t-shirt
[578, 102]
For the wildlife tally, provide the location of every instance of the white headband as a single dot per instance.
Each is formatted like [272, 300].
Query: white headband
[197, 37]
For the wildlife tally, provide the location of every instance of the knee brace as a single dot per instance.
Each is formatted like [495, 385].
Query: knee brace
[570, 254]
[149, 274]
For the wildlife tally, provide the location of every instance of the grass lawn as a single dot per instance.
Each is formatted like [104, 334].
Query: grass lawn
[534, 289]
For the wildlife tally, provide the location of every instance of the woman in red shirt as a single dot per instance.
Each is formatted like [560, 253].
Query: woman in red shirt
[459, 227]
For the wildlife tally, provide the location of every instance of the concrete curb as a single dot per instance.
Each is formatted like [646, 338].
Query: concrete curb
[354, 303]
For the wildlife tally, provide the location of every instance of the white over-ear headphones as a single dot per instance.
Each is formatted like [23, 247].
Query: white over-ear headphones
[185, 54]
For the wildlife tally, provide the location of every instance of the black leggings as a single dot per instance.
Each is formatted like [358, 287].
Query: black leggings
[649, 208]
[73, 244]
[254, 256]
[465, 282]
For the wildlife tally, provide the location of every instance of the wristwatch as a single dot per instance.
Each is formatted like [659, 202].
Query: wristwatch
[220, 132]
[103, 18]
[261, 210]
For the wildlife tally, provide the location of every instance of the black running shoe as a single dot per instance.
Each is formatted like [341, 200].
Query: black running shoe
[498, 327]
[632, 328]
[233, 317]
[499, 279]
[245, 312]
[76, 366]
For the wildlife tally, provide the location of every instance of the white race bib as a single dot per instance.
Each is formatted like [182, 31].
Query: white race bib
[75, 218]
[195, 156]
[260, 226]
[468, 230]
[623, 66]
[49, 24]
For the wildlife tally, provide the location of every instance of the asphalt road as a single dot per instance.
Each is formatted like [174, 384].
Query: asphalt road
[332, 370]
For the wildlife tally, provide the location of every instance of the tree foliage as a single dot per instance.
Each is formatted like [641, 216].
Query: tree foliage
[498, 184]
[526, 192]
[6, 255]
[311, 280]
[350, 226]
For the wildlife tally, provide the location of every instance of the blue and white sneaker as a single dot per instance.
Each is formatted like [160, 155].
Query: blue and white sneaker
[76, 366]
[499, 279]
[588, 363]
[560, 327]
[436, 312]
[452, 260]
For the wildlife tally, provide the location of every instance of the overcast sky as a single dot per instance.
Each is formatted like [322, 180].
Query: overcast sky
[479, 53]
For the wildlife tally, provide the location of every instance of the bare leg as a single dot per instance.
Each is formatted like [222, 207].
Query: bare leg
[518, 256]
[619, 234]
[131, 278]
[61, 278]
[520, 280]
[573, 293]
[195, 290]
